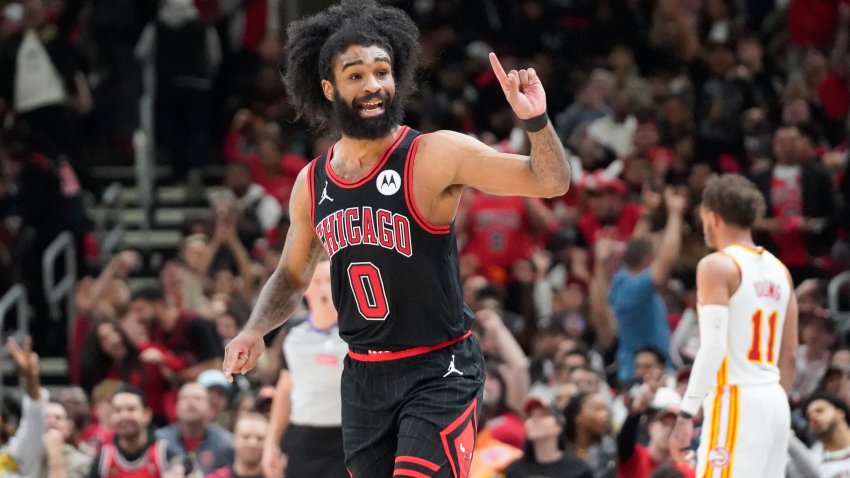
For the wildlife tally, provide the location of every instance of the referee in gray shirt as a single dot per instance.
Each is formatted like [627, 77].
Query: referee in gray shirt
[307, 409]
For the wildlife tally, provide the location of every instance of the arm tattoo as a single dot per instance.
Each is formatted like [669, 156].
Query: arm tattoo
[282, 294]
[548, 161]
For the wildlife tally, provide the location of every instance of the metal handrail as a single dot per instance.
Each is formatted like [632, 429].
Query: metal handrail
[64, 288]
[15, 297]
[840, 317]
[113, 202]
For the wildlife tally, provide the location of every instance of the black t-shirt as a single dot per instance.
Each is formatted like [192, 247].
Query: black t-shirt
[569, 466]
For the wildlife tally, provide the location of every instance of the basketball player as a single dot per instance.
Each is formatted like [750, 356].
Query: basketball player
[748, 341]
[381, 204]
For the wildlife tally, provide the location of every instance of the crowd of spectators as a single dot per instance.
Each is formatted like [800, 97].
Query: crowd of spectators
[585, 304]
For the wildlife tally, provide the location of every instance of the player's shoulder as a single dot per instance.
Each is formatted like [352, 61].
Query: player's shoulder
[448, 143]
[718, 264]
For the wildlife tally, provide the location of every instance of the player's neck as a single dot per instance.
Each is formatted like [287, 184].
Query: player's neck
[585, 440]
[133, 444]
[735, 236]
[322, 320]
[363, 151]
[546, 451]
[839, 439]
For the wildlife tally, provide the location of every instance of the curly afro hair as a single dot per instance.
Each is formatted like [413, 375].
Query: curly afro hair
[314, 42]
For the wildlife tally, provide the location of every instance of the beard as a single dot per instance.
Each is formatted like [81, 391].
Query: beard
[353, 125]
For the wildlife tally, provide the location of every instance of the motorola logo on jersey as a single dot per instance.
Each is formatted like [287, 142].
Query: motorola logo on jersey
[362, 225]
[388, 182]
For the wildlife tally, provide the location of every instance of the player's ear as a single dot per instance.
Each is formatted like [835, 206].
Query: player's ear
[328, 89]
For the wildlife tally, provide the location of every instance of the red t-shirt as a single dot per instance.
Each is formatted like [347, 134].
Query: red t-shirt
[812, 22]
[641, 465]
[278, 185]
[498, 230]
[834, 95]
[590, 226]
[786, 193]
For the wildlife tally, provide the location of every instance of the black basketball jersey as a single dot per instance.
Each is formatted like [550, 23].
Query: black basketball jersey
[395, 277]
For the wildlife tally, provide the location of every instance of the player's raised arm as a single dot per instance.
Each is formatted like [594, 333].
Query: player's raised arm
[284, 289]
[544, 173]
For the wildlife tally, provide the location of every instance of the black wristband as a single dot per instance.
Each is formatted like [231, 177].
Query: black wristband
[537, 123]
[685, 415]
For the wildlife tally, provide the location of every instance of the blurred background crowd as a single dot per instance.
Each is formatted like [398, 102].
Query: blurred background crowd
[585, 303]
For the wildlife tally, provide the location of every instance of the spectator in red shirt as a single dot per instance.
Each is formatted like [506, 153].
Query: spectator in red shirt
[184, 344]
[273, 167]
[607, 209]
[800, 217]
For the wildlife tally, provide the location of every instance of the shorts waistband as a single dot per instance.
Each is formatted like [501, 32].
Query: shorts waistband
[385, 355]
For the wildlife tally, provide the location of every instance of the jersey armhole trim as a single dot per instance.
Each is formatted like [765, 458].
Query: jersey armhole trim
[311, 184]
[740, 271]
[408, 193]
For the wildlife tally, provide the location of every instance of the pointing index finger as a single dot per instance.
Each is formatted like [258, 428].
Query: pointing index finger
[498, 70]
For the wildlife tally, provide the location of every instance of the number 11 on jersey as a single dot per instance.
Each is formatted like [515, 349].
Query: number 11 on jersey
[756, 354]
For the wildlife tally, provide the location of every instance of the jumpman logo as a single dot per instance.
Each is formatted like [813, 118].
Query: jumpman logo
[325, 194]
[452, 368]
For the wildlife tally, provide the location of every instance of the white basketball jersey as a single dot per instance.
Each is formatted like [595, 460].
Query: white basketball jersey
[756, 318]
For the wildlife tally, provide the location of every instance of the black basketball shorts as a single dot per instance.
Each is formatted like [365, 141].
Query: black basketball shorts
[412, 413]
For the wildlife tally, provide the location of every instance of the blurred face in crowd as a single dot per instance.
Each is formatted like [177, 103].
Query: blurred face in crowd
[823, 418]
[363, 92]
[237, 178]
[225, 325]
[785, 143]
[647, 364]
[75, 402]
[318, 293]
[219, 401]
[750, 53]
[541, 424]
[638, 170]
[720, 59]
[145, 311]
[594, 416]
[586, 381]
[111, 341]
[248, 436]
[605, 204]
[57, 419]
[659, 429]
[129, 416]
[796, 112]
[193, 404]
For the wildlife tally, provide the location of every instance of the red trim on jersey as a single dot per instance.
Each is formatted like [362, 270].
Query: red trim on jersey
[343, 183]
[311, 187]
[417, 461]
[408, 193]
[350, 474]
[410, 473]
[383, 356]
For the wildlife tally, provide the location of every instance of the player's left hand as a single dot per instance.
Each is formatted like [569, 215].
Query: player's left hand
[522, 88]
[680, 440]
